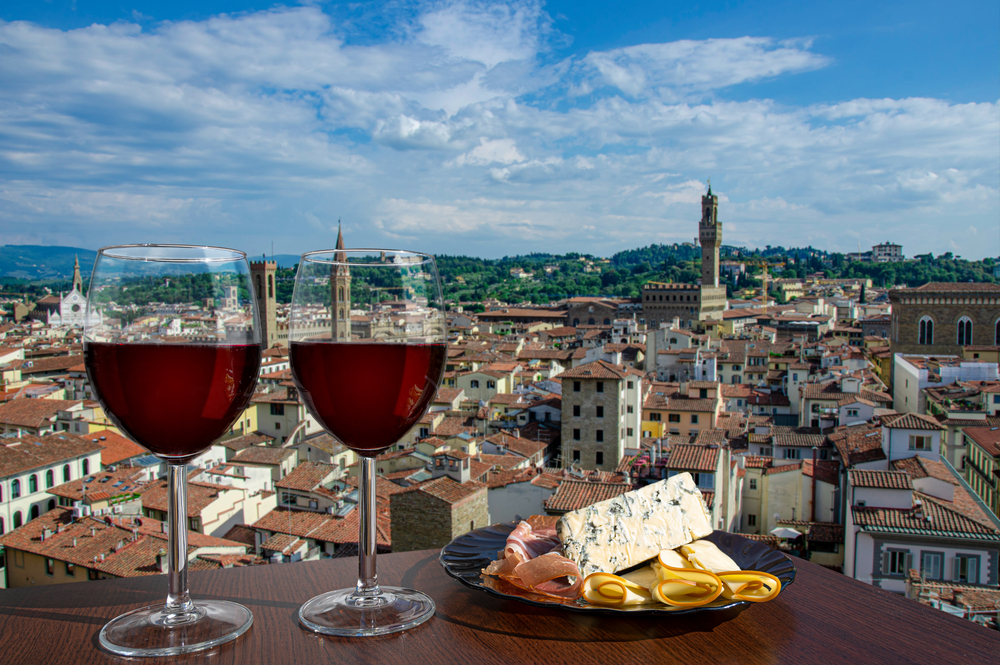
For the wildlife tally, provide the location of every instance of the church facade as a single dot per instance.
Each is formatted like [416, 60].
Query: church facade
[72, 309]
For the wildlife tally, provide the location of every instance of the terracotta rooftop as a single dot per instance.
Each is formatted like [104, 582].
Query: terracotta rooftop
[575, 494]
[600, 369]
[987, 438]
[693, 458]
[306, 476]
[33, 413]
[890, 480]
[262, 455]
[115, 447]
[124, 480]
[245, 441]
[200, 496]
[912, 421]
[448, 490]
[934, 519]
[32, 452]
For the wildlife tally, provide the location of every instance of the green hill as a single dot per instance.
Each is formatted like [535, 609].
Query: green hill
[38, 262]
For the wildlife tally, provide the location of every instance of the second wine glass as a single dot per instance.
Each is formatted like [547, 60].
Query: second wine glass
[367, 379]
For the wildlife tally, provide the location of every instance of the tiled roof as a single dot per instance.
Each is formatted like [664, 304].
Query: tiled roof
[262, 455]
[858, 444]
[293, 522]
[758, 462]
[31, 452]
[241, 533]
[282, 543]
[943, 521]
[124, 480]
[889, 480]
[600, 369]
[693, 458]
[988, 438]
[708, 437]
[306, 476]
[912, 421]
[826, 471]
[575, 494]
[796, 437]
[823, 532]
[200, 496]
[783, 468]
[449, 490]
[503, 461]
[951, 287]
[921, 467]
[33, 413]
[115, 447]
[111, 544]
[245, 441]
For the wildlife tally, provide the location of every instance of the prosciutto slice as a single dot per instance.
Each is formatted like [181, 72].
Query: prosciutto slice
[529, 542]
[548, 574]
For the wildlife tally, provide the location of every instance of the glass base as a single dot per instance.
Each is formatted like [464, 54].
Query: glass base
[151, 631]
[344, 612]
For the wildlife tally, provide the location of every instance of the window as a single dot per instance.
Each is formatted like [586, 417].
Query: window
[474, 383]
[599, 435]
[628, 431]
[966, 569]
[852, 412]
[576, 410]
[576, 386]
[86, 467]
[50, 479]
[925, 331]
[654, 417]
[491, 385]
[576, 435]
[702, 393]
[2, 530]
[67, 476]
[631, 385]
[18, 520]
[277, 425]
[33, 513]
[930, 565]
[32, 484]
[673, 417]
[599, 458]
[765, 451]
[600, 386]
[600, 412]
[793, 453]
[795, 377]
[996, 333]
[964, 331]
[753, 483]
[896, 562]
[15, 489]
[50, 567]
[751, 520]
[920, 442]
[576, 455]
[694, 418]
[705, 480]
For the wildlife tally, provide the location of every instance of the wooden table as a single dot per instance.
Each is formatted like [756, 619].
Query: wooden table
[822, 618]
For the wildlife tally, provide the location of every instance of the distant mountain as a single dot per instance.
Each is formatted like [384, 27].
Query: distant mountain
[37, 262]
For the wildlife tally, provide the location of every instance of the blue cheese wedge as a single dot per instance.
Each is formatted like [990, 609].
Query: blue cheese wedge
[621, 532]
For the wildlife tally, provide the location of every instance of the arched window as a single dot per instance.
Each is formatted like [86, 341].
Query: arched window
[260, 287]
[50, 479]
[270, 286]
[576, 322]
[607, 322]
[591, 321]
[925, 333]
[964, 331]
[341, 292]
[996, 333]
[86, 467]
[52, 504]
[32, 484]
[15, 489]
[1, 526]
[33, 513]
[1, 493]
[17, 519]
[66, 473]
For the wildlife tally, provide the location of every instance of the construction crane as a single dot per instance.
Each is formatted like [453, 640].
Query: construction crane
[765, 264]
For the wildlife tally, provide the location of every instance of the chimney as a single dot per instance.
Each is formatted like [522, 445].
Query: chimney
[46, 534]
[74, 542]
[161, 560]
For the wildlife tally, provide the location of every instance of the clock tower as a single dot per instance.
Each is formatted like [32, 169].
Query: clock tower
[713, 296]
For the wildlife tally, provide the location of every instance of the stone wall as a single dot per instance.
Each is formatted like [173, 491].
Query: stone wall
[421, 521]
[909, 306]
[588, 399]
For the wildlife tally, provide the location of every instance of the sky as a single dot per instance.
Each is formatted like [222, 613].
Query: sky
[500, 128]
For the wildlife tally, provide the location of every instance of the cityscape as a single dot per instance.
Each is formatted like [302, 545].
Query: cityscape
[665, 246]
[854, 426]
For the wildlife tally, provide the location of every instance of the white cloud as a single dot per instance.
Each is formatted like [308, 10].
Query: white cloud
[461, 131]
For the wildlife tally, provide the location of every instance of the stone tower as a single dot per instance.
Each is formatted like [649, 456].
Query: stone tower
[262, 275]
[713, 296]
[340, 294]
[77, 279]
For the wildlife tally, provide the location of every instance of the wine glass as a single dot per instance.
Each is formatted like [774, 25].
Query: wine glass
[367, 379]
[172, 350]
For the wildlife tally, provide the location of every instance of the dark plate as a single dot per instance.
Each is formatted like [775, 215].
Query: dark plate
[464, 558]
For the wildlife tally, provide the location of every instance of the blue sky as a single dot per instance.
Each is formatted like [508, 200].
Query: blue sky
[500, 128]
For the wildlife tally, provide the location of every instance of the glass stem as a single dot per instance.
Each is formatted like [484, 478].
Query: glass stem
[178, 599]
[367, 577]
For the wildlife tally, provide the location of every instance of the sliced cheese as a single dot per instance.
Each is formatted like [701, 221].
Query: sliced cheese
[621, 532]
[705, 555]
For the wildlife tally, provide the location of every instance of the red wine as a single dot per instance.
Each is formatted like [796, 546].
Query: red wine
[367, 394]
[173, 399]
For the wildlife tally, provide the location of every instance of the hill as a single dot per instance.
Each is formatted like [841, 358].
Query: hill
[38, 262]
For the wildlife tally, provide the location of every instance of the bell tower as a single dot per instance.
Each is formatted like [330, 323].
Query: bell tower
[262, 275]
[340, 293]
[710, 237]
[77, 279]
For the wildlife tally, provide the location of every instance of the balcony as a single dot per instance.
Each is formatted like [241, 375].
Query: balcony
[59, 624]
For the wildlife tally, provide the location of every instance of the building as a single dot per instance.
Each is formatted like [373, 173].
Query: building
[432, 514]
[914, 374]
[34, 416]
[262, 275]
[939, 318]
[982, 464]
[59, 547]
[887, 252]
[685, 408]
[340, 292]
[601, 414]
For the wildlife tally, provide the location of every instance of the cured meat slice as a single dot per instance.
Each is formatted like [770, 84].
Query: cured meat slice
[503, 567]
[549, 574]
[529, 543]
